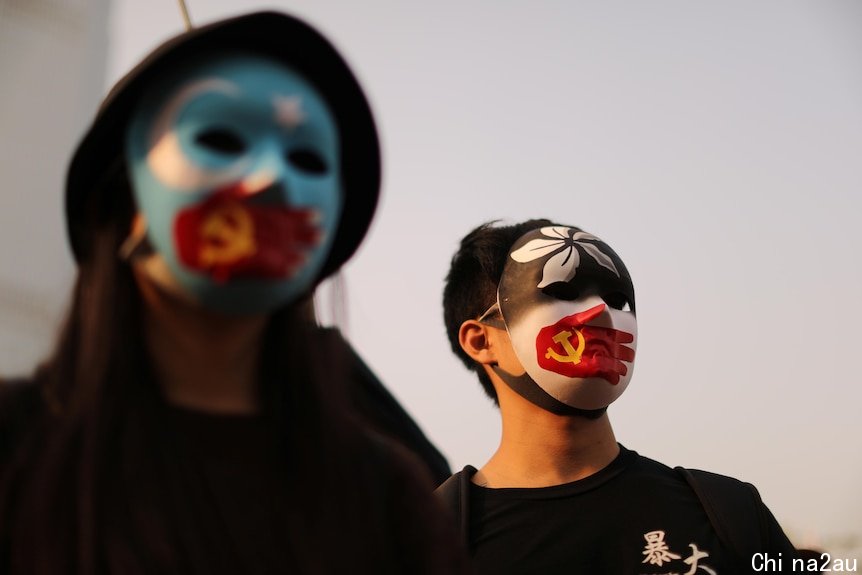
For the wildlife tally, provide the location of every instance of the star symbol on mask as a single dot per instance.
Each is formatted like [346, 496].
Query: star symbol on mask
[288, 111]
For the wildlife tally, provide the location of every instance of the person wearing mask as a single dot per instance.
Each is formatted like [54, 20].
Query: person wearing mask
[191, 418]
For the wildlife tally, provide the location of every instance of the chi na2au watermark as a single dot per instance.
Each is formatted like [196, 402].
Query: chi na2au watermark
[826, 563]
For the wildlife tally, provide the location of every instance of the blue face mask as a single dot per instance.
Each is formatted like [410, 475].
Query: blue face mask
[234, 163]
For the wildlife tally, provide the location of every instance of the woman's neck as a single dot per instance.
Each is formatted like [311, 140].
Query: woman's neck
[203, 361]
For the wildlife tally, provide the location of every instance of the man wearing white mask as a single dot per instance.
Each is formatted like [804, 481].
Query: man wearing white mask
[545, 315]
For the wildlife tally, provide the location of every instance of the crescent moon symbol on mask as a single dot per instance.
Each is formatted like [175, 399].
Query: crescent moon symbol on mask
[166, 158]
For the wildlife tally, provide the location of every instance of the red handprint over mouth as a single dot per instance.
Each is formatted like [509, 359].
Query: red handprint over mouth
[573, 348]
[227, 237]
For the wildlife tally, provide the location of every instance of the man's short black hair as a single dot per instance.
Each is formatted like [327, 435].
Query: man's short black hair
[471, 284]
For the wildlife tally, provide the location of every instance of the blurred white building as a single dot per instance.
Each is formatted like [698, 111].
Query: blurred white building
[52, 68]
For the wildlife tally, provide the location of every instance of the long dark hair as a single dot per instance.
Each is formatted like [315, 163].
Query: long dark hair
[85, 481]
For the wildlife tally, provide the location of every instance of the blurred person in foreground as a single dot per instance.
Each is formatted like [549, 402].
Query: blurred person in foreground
[545, 315]
[192, 418]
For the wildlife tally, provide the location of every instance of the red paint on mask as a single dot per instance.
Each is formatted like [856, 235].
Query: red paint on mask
[572, 348]
[227, 237]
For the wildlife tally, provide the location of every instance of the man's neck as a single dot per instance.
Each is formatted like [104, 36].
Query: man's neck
[541, 449]
[202, 360]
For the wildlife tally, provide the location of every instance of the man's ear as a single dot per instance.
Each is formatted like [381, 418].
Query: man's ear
[474, 340]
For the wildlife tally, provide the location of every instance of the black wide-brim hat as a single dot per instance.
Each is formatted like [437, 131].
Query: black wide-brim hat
[272, 34]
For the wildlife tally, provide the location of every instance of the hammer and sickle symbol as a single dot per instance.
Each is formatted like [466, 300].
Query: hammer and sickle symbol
[228, 235]
[572, 355]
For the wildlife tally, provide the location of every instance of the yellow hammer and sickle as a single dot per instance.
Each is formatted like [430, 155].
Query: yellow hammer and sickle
[572, 355]
[228, 235]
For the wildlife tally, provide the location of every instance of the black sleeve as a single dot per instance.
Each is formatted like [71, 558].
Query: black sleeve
[777, 543]
[741, 520]
[425, 536]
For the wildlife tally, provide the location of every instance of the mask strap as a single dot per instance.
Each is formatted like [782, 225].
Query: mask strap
[137, 243]
[492, 317]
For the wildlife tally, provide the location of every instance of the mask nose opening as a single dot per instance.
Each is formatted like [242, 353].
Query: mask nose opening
[273, 193]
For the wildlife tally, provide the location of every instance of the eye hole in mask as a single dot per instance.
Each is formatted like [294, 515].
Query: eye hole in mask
[565, 291]
[569, 291]
[617, 300]
[308, 161]
[221, 141]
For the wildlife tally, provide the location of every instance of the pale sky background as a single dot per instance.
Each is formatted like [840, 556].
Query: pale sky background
[717, 147]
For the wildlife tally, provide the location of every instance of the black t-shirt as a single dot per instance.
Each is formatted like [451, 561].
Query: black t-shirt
[635, 516]
[217, 498]
[234, 488]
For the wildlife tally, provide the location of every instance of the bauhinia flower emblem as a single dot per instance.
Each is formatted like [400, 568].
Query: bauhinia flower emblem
[562, 243]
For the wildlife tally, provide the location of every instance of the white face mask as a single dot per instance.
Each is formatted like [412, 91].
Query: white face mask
[568, 304]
